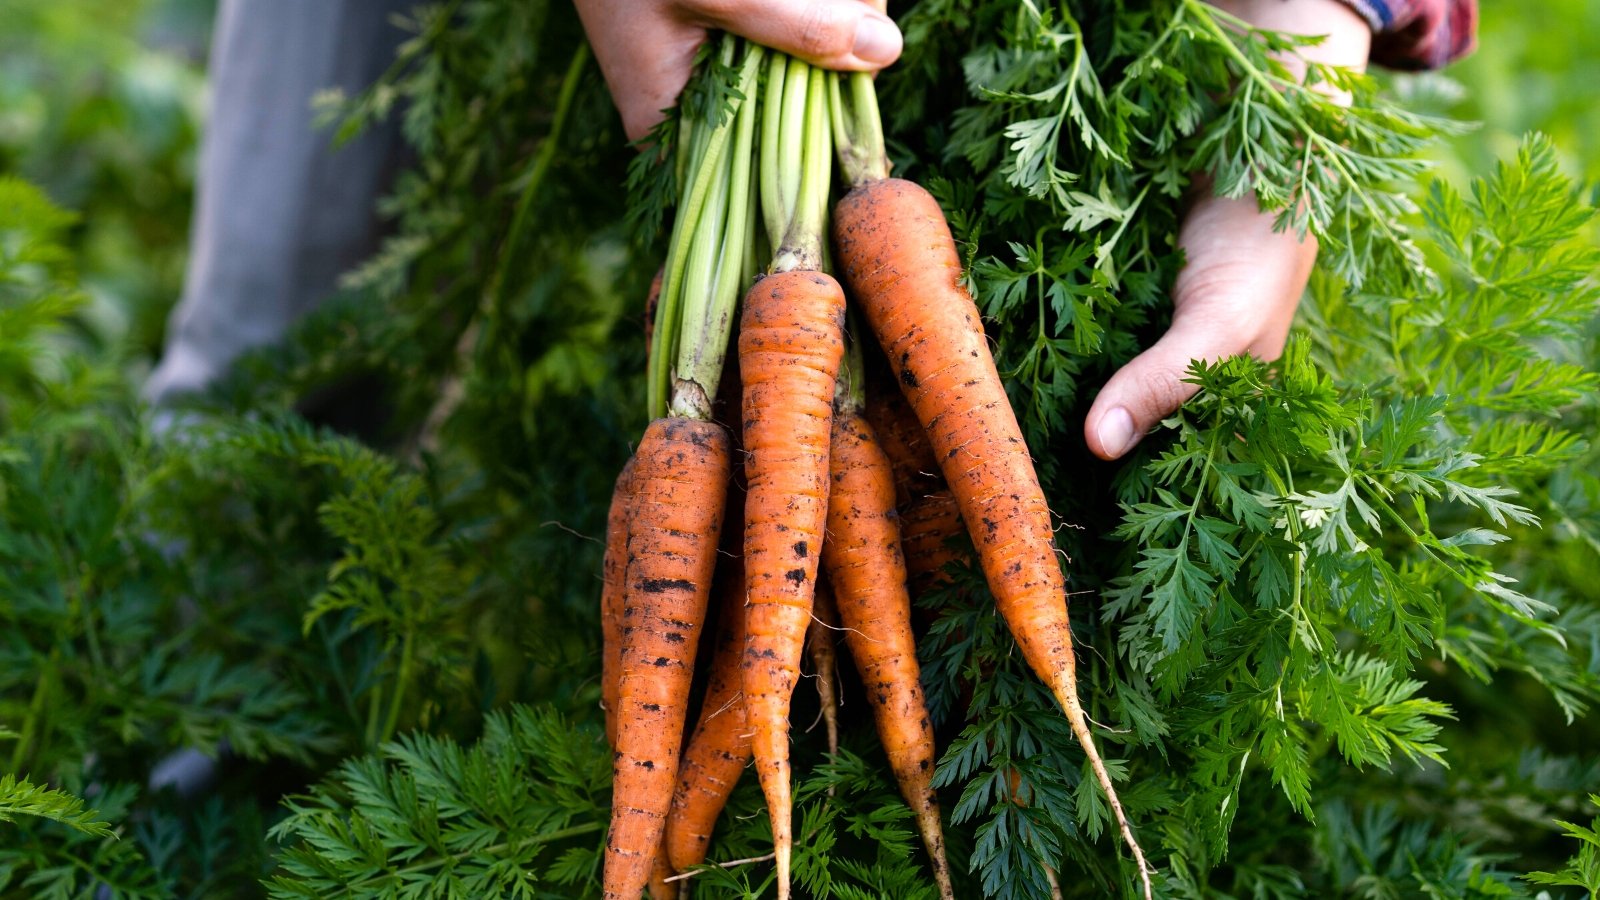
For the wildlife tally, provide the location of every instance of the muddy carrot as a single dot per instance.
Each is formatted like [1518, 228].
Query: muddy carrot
[612, 570]
[789, 348]
[916, 472]
[679, 476]
[863, 562]
[896, 255]
[926, 529]
[720, 747]
[790, 345]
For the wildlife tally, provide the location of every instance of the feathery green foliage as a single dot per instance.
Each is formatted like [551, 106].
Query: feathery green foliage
[1336, 617]
[19, 798]
[1583, 871]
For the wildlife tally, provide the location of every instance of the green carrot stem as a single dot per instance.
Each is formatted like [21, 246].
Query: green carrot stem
[683, 151]
[773, 212]
[802, 243]
[724, 232]
[495, 295]
[402, 684]
[858, 130]
[668, 309]
[33, 723]
[699, 283]
[791, 141]
[755, 241]
[705, 174]
[694, 132]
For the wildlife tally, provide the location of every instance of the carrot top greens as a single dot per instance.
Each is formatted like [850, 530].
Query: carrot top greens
[1337, 617]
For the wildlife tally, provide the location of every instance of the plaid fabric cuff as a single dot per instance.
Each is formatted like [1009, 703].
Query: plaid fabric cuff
[1419, 34]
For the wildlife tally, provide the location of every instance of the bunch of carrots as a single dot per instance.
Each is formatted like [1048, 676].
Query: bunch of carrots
[865, 490]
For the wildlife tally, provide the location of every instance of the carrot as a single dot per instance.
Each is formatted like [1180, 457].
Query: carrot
[679, 478]
[864, 565]
[926, 528]
[916, 472]
[819, 638]
[611, 567]
[899, 260]
[659, 887]
[720, 747]
[790, 344]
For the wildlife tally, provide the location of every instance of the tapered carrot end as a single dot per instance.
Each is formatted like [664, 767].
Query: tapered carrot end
[1055, 883]
[660, 887]
[1067, 695]
[781, 853]
[933, 837]
[780, 809]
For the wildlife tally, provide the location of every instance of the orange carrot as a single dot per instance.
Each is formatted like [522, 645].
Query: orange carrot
[900, 262]
[916, 472]
[863, 562]
[616, 555]
[790, 345]
[661, 870]
[819, 639]
[720, 747]
[679, 478]
[615, 561]
[926, 527]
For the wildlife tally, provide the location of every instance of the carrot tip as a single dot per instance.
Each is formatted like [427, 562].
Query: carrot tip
[781, 854]
[1067, 695]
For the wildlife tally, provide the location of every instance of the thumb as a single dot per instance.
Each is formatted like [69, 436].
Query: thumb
[836, 34]
[1151, 386]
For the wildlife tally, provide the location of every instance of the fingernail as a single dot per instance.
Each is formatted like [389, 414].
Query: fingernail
[1116, 432]
[877, 41]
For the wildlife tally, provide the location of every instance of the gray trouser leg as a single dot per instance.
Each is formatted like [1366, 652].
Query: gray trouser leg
[280, 213]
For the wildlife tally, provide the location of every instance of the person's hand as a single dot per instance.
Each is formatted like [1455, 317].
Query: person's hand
[1238, 290]
[1237, 294]
[646, 47]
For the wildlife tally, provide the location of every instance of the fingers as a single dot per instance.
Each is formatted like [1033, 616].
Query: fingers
[645, 51]
[848, 35]
[646, 47]
[1151, 386]
[1237, 294]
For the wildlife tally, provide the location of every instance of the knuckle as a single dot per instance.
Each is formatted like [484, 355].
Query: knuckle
[1163, 390]
[1216, 283]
